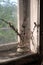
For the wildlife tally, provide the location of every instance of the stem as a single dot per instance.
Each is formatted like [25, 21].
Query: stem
[12, 27]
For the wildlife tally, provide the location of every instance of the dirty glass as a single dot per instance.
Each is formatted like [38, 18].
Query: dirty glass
[8, 12]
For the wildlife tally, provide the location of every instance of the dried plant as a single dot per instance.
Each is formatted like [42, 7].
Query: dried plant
[22, 34]
[16, 31]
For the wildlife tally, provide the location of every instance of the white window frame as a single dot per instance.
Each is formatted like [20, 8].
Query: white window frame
[35, 17]
[8, 46]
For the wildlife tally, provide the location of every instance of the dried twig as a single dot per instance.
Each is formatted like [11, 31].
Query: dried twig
[12, 27]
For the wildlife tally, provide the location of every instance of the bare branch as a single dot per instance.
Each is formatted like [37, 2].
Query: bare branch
[12, 27]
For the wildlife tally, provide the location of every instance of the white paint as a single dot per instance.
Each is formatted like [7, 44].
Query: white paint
[18, 20]
[33, 18]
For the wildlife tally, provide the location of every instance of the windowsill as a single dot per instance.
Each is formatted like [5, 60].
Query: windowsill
[7, 46]
[6, 59]
[26, 57]
[9, 49]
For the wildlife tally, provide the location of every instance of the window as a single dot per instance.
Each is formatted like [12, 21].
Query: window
[8, 12]
[24, 15]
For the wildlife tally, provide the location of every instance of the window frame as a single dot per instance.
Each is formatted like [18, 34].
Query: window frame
[19, 39]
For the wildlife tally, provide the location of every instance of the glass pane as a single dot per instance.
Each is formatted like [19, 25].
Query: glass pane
[8, 12]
